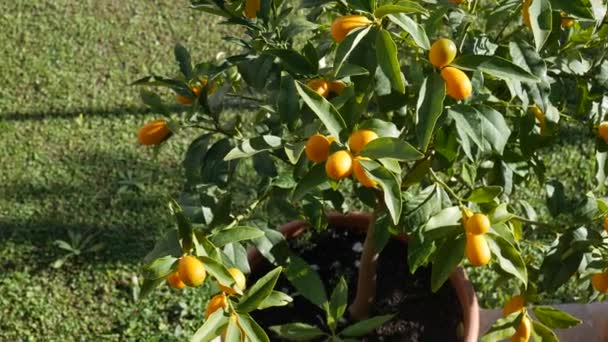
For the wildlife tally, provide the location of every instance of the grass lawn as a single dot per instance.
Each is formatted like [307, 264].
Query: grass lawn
[69, 162]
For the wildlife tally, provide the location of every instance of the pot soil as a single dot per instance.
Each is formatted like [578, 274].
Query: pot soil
[420, 314]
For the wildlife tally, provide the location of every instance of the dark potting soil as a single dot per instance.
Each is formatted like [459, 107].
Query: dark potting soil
[421, 314]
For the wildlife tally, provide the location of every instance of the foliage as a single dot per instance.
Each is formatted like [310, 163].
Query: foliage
[463, 144]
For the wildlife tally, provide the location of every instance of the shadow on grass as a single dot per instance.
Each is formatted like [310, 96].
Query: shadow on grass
[126, 214]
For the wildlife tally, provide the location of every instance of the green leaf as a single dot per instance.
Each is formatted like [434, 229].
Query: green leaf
[337, 304]
[446, 259]
[153, 101]
[226, 236]
[293, 62]
[326, 112]
[468, 128]
[315, 177]
[366, 326]
[249, 147]
[554, 318]
[525, 55]
[541, 21]
[218, 271]
[443, 223]
[542, 333]
[159, 268]
[184, 228]
[276, 298]
[494, 128]
[418, 252]
[237, 255]
[503, 328]
[388, 60]
[403, 7]
[485, 194]
[415, 30]
[266, 245]
[574, 8]
[233, 332]
[168, 245]
[390, 185]
[394, 148]
[306, 281]
[257, 294]
[347, 46]
[349, 70]
[288, 103]
[148, 286]
[429, 108]
[508, 257]
[183, 59]
[212, 328]
[495, 66]
[252, 330]
[381, 127]
[297, 331]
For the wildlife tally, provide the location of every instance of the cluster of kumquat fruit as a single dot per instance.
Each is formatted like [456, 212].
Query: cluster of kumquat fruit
[524, 330]
[342, 163]
[476, 248]
[457, 84]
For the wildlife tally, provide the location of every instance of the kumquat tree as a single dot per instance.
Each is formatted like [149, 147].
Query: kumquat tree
[427, 118]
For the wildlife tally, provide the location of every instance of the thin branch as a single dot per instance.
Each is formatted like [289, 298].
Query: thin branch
[445, 186]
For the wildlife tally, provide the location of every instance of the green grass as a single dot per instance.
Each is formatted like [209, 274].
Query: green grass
[69, 162]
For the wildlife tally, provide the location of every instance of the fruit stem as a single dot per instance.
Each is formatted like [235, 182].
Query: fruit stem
[366, 281]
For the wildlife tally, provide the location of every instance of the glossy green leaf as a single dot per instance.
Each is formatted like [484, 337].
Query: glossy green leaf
[218, 271]
[293, 62]
[337, 304]
[183, 60]
[159, 268]
[276, 298]
[508, 257]
[390, 187]
[366, 326]
[429, 108]
[212, 327]
[401, 7]
[381, 127]
[503, 328]
[554, 318]
[394, 148]
[315, 177]
[415, 30]
[541, 21]
[257, 294]
[306, 281]
[446, 259]
[250, 147]
[167, 246]
[347, 46]
[233, 332]
[325, 111]
[230, 235]
[495, 66]
[542, 333]
[388, 60]
[485, 194]
[288, 103]
[252, 329]
[297, 331]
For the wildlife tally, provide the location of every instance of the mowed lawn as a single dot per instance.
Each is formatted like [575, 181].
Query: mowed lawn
[69, 162]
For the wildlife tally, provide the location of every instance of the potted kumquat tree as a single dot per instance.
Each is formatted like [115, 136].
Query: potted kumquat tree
[397, 137]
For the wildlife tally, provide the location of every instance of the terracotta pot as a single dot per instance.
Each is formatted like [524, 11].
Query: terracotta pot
[359, 222]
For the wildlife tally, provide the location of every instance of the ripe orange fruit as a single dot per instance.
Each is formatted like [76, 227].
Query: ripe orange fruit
[602, 131]
[361, 175]
[540, 116]
[339, 165]
[191, 271]
[252, 7]
[606, 223]
[320, 86]
[317, 148]
[442, 52]
[343, 25]
[457, 83]
[523, 332]
[600, 282]
[567, 22]
[154, 132]
[477, 224]
[196, 89]
[336, 87]
[216, 302]
[513, 305]
[360, 138]
[525, 13]
[477, 250]
[238, 277]
[174, 281]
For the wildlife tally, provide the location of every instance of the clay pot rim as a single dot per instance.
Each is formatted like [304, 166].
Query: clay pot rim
[359, 222]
